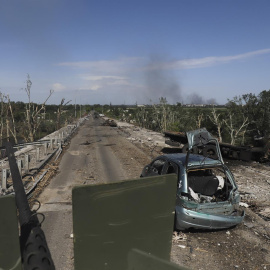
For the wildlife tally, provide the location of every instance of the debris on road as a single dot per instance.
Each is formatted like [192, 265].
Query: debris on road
[243, 204]
[179, 236]
[109, 122]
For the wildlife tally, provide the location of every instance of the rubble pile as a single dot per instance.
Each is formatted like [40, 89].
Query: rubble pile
[142, 135]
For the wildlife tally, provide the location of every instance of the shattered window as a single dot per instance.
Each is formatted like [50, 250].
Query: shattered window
[172, 168]
[208, 185]
[158, 165]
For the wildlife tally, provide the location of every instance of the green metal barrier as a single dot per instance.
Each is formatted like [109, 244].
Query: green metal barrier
[10, 256]
[110, 220]
[138, 260]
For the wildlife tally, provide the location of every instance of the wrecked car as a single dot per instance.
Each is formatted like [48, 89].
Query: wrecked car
[207, 195]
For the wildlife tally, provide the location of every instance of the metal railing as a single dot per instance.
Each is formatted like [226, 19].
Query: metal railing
[32, 157]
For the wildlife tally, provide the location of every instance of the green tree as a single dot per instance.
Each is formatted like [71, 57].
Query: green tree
[236, 121]
[264, 112]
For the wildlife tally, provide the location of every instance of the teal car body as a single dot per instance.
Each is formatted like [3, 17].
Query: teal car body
[207, 194]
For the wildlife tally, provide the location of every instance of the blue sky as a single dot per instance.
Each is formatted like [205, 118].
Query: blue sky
[123, 52]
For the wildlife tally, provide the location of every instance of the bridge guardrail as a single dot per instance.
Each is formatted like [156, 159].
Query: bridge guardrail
[32, 157]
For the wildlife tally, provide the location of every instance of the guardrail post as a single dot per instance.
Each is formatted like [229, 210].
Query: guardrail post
[4, 179]
[19, 162]
[38, 154]
[51, 144]
[58, 138]
[26, 163]
[55, 140]
[45, 149]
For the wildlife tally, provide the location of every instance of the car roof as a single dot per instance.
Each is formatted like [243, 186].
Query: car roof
[193, 160]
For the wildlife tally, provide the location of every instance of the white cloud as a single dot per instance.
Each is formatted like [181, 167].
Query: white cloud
[95, 87]
[105, 67]
[205, 61]
[107, 74]
[128, 75]
[100, 78]
[120, 82]
[58, 87]
[105, 80]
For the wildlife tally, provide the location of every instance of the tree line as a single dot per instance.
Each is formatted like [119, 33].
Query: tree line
[242, 121]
